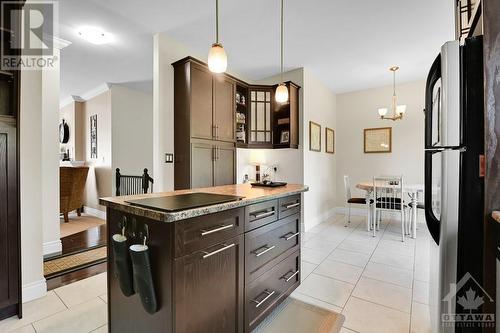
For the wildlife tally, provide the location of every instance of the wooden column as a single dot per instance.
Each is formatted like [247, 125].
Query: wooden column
[491, 22]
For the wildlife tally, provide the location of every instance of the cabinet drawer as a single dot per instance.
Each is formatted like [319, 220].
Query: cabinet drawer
[261, 214]
[289, 206]
[265, 245]
[203, 231]
[265, 293]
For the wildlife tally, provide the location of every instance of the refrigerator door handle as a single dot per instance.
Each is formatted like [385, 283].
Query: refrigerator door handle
[432, 79]
[432, 222]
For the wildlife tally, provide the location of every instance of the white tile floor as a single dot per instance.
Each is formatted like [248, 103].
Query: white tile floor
[380, 284]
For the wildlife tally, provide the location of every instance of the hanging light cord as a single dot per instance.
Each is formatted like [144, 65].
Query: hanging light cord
[282, 28]
[217, 21]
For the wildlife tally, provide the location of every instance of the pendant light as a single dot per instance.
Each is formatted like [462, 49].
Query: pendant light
[281, 94]
[217, 59]
[398, 111]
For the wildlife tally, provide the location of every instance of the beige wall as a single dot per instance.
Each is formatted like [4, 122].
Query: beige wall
[99, 179]
[319, 167]
[358, 110]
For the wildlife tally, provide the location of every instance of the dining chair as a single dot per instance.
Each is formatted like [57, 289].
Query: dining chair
[420, 205]
[388, 196]
[350, 200]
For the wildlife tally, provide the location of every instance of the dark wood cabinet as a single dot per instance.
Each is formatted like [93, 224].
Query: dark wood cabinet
[10, 269]
[204, 126]
[286, 119]
[260, 118]
[210, 274]
[209, 289]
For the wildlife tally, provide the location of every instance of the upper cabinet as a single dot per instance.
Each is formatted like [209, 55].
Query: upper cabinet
[224, 115]
[286, 119]
[260, 117]
[468, 18]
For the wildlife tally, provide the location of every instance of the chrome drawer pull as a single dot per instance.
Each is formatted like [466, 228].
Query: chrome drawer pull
[269, 294]
[209, 254]
[290, 236]
[287, 279]
[258, 253]
[222, 227]
[292, 205]
[266, 214]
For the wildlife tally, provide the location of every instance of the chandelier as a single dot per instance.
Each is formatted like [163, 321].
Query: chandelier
[397, 110]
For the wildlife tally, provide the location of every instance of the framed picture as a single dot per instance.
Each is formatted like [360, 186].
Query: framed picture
[378, 140]
[285, 137]
[314, 136]
[93, 136]
[330, 140]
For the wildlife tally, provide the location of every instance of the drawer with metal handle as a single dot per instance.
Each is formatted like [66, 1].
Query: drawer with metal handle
[265, 246]
[200, 232]
[260, 214]
[263, 294]
[289, 206]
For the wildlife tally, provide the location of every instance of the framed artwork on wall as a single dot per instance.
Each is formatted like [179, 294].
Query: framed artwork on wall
[285, 137]
[93, 136]
[314, 136]
[378, 140]
[329, 140]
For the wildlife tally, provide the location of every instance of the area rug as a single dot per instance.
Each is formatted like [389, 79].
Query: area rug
[294, 316]
[78, 224]
[69, 263]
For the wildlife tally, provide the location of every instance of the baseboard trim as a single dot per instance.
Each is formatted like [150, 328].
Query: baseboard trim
[319, 219]
[52, 248]
[355, 211]
[34, 290]
[94, 212]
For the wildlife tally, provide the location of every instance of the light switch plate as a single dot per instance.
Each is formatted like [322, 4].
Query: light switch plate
[169, 158]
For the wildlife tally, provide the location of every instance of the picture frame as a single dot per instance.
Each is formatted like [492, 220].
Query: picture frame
[285, 136]
[378, 140]
[329, 141]
[314, 136]
[93, 136]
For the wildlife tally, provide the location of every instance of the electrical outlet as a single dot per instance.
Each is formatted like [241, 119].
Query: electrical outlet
[169, 158]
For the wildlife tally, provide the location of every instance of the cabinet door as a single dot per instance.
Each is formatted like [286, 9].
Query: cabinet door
[202, 172]
[208, 289]
[201, 103]
[294, 115]
[260, 116]
[9, 270]
[225, 165]
[224, 109]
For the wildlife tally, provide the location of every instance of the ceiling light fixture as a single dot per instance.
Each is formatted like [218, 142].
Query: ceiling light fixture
[281, 94]
[398, 111]
[94, 35]
[217, 58]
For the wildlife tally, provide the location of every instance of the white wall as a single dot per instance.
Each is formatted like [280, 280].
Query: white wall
[50, 159]
[358, 110]
[132, 130]
[319, 167]
[31, 190]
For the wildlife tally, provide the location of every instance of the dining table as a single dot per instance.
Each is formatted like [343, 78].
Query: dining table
[411, 189]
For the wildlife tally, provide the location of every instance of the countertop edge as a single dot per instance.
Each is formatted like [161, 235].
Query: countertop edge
[195, 212]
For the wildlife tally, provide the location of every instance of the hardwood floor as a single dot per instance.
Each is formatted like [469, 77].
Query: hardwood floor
[83, 241]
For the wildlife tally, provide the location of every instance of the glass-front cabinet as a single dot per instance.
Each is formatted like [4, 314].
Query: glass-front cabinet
[260, 130]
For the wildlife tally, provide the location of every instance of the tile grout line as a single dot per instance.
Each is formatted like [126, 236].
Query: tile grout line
[55, 292]
[413, 283]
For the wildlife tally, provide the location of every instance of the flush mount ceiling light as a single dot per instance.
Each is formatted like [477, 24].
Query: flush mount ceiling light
[217, 58]
[94, 35]
[397, 110]
[281, 94]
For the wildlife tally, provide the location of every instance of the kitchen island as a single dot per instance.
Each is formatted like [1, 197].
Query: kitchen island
[217, 268]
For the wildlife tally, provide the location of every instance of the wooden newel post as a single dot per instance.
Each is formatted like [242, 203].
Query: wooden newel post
[117, 179]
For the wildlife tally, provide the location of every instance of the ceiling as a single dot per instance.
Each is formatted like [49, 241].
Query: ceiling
[349, 45]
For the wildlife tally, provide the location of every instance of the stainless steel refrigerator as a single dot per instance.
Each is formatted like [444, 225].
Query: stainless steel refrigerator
[454, 186]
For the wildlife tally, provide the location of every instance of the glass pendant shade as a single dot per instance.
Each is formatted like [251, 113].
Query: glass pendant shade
[401, 109]
[382, 112]
[281, 94]
[217, 59]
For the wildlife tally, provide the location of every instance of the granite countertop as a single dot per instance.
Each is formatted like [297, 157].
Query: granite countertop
[250, 195]
[496, 216]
